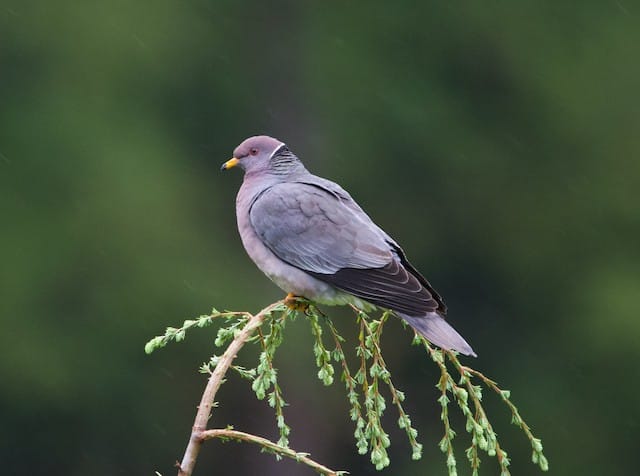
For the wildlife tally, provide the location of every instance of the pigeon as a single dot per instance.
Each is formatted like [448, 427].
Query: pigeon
[314, 241]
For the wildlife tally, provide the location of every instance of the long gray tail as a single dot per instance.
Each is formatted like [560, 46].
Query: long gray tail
[437, 331]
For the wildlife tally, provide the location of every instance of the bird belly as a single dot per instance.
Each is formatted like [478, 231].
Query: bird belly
[302, 284]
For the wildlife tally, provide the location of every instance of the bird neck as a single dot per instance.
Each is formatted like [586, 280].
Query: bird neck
[285, 163]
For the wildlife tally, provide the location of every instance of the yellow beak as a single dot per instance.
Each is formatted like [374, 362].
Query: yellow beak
[230, 163]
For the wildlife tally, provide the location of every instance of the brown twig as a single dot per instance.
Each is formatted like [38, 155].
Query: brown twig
[228, 434]
[215, 380]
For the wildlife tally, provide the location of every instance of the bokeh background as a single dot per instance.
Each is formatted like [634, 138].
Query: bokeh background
[498, 142]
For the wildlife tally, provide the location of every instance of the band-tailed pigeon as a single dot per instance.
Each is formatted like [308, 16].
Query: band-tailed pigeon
[313, 240]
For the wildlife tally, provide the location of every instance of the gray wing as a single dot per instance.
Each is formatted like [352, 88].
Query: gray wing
[312, 229]
[325, 233]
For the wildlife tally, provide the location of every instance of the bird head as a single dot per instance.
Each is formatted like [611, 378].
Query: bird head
[253, 153]
[263, 154]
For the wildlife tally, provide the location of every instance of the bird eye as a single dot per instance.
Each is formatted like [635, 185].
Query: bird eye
[253, 151]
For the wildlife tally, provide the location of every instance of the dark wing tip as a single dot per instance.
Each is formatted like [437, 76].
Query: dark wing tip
[391, 287]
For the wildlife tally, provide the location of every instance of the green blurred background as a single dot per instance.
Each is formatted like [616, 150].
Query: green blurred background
[497, 141]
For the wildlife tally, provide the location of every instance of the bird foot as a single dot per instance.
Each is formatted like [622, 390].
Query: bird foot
[296, 303]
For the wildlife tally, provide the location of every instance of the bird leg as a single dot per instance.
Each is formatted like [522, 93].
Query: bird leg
[296, 303]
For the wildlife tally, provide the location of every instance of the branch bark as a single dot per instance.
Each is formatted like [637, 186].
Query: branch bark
[199, 432]
[288, 452]
[185, 468]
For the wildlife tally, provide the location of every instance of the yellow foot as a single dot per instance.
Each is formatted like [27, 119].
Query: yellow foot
[296, 303]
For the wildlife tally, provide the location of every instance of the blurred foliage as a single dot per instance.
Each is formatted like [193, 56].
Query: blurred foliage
[496, 141]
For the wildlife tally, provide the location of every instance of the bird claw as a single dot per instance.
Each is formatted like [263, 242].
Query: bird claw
[296, 303]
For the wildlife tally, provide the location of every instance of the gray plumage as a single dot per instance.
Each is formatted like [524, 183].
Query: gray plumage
[312, 239]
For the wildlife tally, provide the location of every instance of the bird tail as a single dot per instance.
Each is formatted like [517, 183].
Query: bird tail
[437, 331]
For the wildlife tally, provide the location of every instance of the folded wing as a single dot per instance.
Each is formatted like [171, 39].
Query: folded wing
[322, 233]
